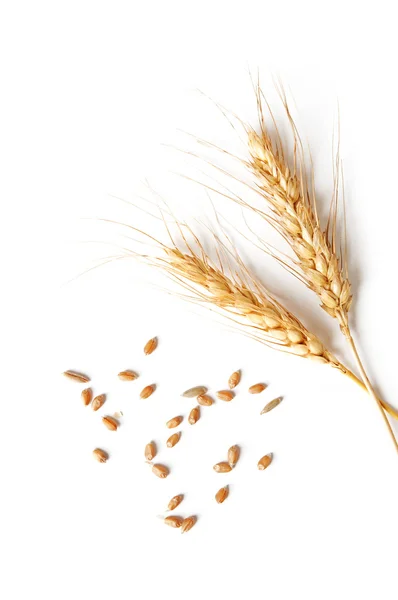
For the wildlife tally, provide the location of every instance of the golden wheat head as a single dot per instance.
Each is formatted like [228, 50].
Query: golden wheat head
[287, 195]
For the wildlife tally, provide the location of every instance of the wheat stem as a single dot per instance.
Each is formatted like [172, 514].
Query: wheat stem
[371, 390]
[346, 330]
[390, 409]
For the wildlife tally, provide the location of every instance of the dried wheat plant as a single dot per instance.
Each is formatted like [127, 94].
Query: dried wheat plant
[287, 187]
[228, 286]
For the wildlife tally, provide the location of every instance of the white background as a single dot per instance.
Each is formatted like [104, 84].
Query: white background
[90, 92]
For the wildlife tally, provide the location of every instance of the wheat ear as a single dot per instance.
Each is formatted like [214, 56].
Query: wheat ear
[241, 299]
[294, 214]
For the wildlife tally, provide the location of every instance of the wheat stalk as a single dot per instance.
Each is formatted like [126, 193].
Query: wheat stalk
[294, 214]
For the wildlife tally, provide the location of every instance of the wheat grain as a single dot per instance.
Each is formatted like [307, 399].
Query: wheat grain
[173, 440]
[205, 400]
[160, 471]
[150, 346]
[222, 467]
[264, 462]
[147, 391]
[175, 501]
[76, 376]
[150, 451]
[257, 388]
[226, 395]
[100, 455]
[194, 415]
[222, 494]
[174, 521]
[127, 375]
[87, 396]
[98, 402]
[234, 380]
[110, 423]
[187, 524]
[174, 422]
[233, 455]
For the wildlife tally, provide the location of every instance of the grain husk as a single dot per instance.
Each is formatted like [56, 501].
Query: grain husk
[271, 405]
[194, 392]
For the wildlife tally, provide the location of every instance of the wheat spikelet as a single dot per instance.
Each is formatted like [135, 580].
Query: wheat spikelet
[288, 197]
[246, 302]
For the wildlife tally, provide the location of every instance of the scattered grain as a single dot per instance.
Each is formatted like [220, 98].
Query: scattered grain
[100, 455]
[110, 423]
[76, 376]
[271, 405]
[194, 392]
[257, 388]
[204, 400]
[174, 422]
[173, 439]
[150, 451]
[98, 402]
[127, 375]
[150, 346]
[87, 396]
[175, 501]
[234, 379]
[233, 455]
[147, 391]
[187, 524]
[222, 494]
[222, 467]
[173, 521]
[225, 395]
[194, 415]
[160, 471]
[264, 462]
